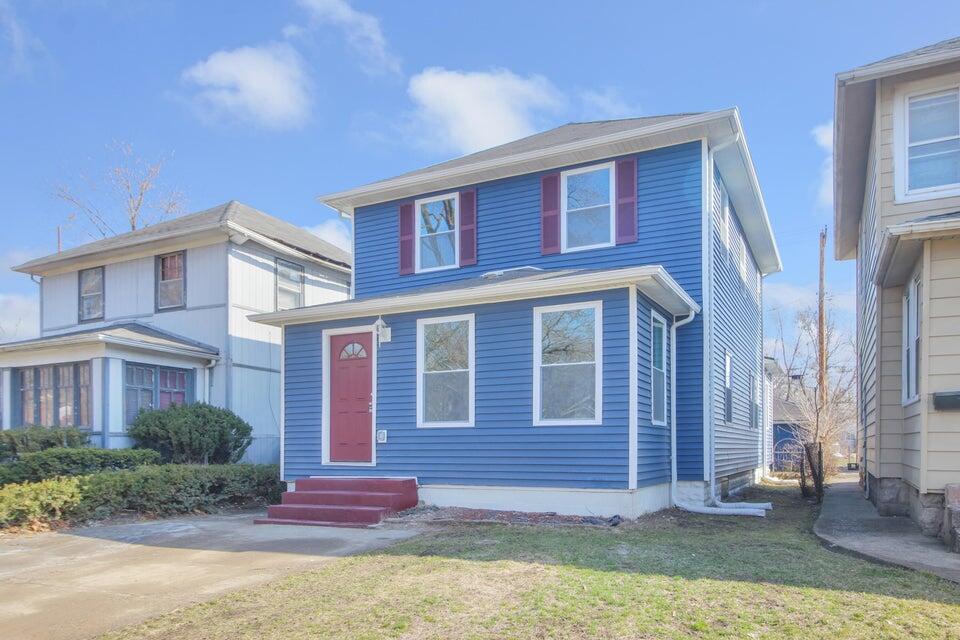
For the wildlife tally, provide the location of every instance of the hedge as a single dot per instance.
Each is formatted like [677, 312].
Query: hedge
[51, 463]
[155, 490]
[16, 442]
[195, 433]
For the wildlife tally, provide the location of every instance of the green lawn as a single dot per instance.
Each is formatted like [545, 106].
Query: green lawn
[667, 576]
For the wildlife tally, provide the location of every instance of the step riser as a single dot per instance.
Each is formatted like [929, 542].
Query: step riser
[394, 501]
[384, 485]
[344, 502]
[328, 513]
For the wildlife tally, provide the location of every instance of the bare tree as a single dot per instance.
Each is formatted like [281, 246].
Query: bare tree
[127, 196]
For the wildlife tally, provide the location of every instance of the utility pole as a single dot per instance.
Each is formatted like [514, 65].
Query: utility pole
[821, 337]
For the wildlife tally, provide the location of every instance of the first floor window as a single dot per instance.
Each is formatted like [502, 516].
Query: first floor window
[911, 340]
[149, 387]
[587, 207]
[438, 219]
[171, 281]
[567, 364]
[289, 285]
[91, 294]
[445, 352]
[55, 395]
[754, 402]
[727, 386]
[658, 338]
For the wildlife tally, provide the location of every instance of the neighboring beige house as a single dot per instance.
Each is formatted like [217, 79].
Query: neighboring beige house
[897, 212]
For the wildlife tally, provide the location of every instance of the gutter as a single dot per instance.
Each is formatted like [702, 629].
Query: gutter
[909, 231]
[881, 69]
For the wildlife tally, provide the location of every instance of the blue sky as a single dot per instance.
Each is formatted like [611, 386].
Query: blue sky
[275, 103]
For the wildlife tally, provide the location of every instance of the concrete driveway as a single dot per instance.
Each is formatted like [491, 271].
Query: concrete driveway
[84, 582]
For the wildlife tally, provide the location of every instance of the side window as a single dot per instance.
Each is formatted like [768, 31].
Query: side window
[724, 215]
[658, 348]
[437, 221]
[149, 387]
[171, 291]
[289, 292]
[55, 395]
[568, 364]
[933, 141]
[911, 340]
[587, 208]
[754, 402]
[91, 294]
[727, 386]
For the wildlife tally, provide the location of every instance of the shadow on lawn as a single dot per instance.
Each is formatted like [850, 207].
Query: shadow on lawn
[780, 549]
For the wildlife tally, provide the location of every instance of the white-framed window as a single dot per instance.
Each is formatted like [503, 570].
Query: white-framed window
[568, 364]
[658, 369]
[754, 402]
[171, 281]
[927, 140]
[727, 386]
[289, 289]
[911, 340]
[91, 294]
[742, 257]
[588, 207]
[724, 215]
[445, 371]
[438, 238]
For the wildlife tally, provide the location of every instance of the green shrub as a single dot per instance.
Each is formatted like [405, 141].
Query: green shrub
[16, 442]
[192, 434]
[36, 503]
[40, 465]
[156, 490]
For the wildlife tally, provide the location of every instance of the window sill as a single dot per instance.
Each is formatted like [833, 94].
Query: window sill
[948, 191]
[445, 425]
[658, 424]
[568, 423]
[605, 245]
[433, 269]
[906, 402]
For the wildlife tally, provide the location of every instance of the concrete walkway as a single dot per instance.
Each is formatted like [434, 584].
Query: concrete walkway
[83, 582]
[849, 521]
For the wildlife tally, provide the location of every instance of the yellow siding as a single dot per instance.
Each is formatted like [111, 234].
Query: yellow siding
[867, 343]
[891, 409]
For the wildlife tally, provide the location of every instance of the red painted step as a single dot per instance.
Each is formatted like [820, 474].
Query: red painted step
[343, 501]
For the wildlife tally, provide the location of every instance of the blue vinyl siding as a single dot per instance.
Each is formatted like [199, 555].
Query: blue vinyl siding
[669, 203]
[737, 327]
[653, 441]
[503, 448]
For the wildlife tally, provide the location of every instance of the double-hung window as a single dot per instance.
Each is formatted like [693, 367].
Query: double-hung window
[932, 151]
[149, 387]
[754, 402]
[911, 340]
[587, 199]
[727, 386]
[658, 350]
[289, 293]
[171, 281]
[445, 369]
[438, 243]
[55, 395]
[91, 294]
[568, 364]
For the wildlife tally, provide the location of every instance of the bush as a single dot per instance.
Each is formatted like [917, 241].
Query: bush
[16, 442]
[51, 463]
[195, 433]
[156, 490]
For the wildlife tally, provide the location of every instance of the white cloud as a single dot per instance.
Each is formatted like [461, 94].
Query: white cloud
[823, 135]
[265, 85]
[792, 297]
[19, 316]
[334, 232]
[362, 31]
[466, 111]
[607, 104]
[20, 47]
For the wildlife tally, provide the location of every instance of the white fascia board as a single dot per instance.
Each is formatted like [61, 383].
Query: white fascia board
[880, 70]
[240, 234]
[900, 246]
[56, 342]
[651, 280]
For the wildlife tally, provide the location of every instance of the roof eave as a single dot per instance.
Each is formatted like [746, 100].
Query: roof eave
[882, 69]
[58, 342]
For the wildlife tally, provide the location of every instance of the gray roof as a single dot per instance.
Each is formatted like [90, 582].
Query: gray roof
[785, 411]
[136, 331]
[570, 132]
[943, 49]
[233, 211]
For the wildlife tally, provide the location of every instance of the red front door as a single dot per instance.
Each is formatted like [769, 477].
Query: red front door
[351, 397]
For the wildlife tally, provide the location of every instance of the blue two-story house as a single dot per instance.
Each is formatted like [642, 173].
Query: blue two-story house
[569, 322]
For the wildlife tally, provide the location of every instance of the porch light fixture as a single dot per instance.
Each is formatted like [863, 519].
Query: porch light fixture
[383, 331]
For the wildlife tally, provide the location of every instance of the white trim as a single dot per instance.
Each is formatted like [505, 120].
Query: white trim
[325, 412]
[655, 317]
[652, 280]
[471, 371]
[611, 166]
[597, 307]
[908, 343]
[627, 503]
[901, 124]
[283, 393]
[455, 196]
[706, 283]
[633, 411]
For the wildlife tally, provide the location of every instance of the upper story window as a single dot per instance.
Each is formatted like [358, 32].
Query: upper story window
[171, 290]
[567, 364]
[91, 294]
[438, 220]
[911, 340]
[445, 363]
[724, 215]
[927, 141]
[658, 339]
[289, 293]
[587, 198]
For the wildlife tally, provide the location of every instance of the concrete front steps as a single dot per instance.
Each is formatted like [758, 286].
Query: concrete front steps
[342, 502]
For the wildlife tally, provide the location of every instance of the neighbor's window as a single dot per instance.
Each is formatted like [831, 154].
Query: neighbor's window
[567, 364]
[445, 363]
[55, 395]
[91, 294]
[171, 281]
[754, 402]
[933, 140]
[289, 285]
[911, 340]
[150, 387]
[727, 386]
[587, 207]
[437, 222]
[658, 339]
[724, 215]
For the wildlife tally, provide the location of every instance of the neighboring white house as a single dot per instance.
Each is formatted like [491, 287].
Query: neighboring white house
[159, 316]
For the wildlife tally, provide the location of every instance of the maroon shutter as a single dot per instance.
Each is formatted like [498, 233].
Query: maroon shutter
[407, 238]
[468, 227]
[550, 214]
[626, 200]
